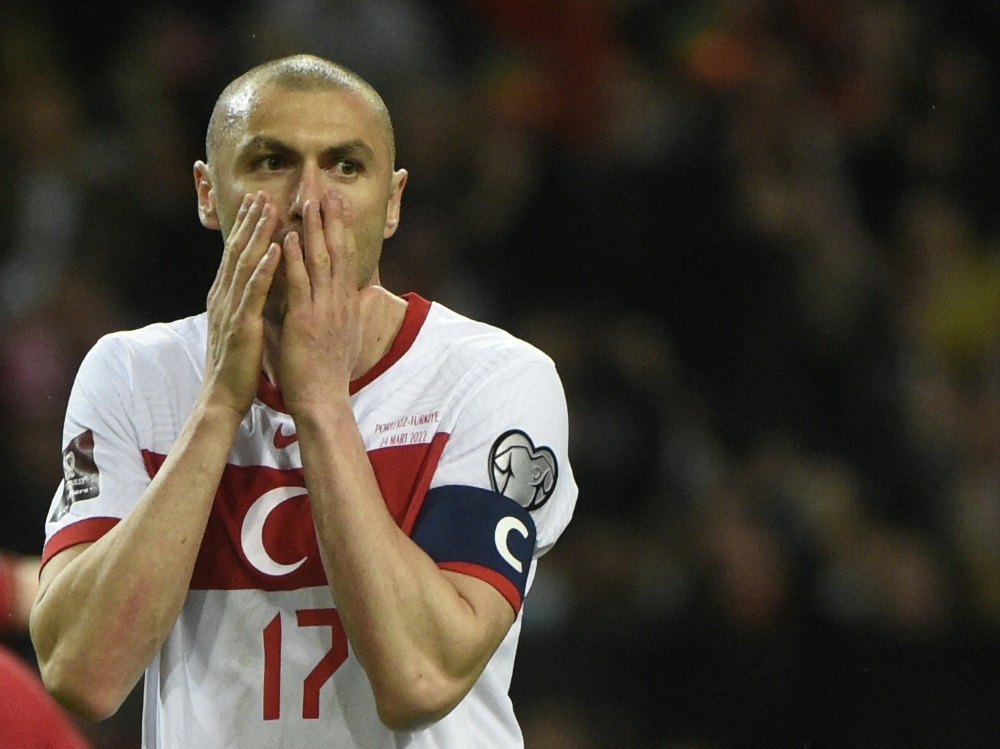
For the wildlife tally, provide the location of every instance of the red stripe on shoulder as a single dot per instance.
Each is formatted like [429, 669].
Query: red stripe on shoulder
[82, 532]
[422, 481]
[506, 588]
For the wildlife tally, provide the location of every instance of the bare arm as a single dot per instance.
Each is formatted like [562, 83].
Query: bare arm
[105, 609]
[422, 634]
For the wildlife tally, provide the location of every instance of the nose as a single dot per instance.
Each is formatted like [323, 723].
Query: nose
[308, 187]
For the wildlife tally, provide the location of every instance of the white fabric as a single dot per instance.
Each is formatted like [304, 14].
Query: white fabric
[459, 379]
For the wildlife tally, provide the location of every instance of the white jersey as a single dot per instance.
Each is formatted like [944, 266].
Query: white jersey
[466, 429]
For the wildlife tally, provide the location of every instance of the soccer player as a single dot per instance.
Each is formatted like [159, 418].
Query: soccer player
[309, 515]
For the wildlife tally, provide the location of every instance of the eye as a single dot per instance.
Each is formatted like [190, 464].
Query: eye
[269, 162]
[349, 167]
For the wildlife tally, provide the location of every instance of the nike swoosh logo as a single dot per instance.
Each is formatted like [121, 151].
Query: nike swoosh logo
[282, 440]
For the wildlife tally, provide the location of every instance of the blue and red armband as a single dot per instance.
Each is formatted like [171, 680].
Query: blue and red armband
[480, 533]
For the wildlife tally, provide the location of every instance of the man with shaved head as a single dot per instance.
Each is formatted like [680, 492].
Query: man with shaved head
[301, 73]
[310, 514]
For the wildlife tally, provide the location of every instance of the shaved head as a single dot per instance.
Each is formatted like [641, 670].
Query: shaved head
[296, 73]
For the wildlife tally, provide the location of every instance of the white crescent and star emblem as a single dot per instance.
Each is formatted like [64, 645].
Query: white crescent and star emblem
[252, 532]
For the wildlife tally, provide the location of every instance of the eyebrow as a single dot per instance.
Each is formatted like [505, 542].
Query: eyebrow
[354, 148]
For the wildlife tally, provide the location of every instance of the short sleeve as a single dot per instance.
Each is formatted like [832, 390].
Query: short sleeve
[512, 436]
[504, 490]
[103, 468]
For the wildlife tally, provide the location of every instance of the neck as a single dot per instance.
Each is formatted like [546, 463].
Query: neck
[382, 314]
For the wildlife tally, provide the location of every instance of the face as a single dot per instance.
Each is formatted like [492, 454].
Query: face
[295, 146]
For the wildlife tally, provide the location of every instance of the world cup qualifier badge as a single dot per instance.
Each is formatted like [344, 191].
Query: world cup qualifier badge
[521, 471]
[81, 479]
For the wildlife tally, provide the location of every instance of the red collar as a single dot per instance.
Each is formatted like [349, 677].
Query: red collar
[416, 312]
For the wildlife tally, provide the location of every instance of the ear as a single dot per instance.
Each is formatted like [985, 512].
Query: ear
[207, 208]
[395, 201]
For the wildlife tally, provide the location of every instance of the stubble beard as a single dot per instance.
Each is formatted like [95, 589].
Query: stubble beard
[276, 304]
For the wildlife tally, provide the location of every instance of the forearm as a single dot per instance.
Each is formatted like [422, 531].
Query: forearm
[101, 618]
[421, 642]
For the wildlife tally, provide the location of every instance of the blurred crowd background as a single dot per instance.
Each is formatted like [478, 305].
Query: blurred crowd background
[760, 239]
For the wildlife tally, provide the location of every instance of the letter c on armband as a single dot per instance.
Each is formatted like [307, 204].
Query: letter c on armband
[504, 527]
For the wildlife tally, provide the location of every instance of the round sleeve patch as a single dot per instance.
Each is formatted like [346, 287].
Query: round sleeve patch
[81, 479]
[521, 471]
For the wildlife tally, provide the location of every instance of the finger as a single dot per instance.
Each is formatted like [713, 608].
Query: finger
[347, 210]
[246, 219]
[256, 246]
[297, 282]
[339, 237]
[235, 245]
[317, 254]
[226, 264]
[255, 291]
